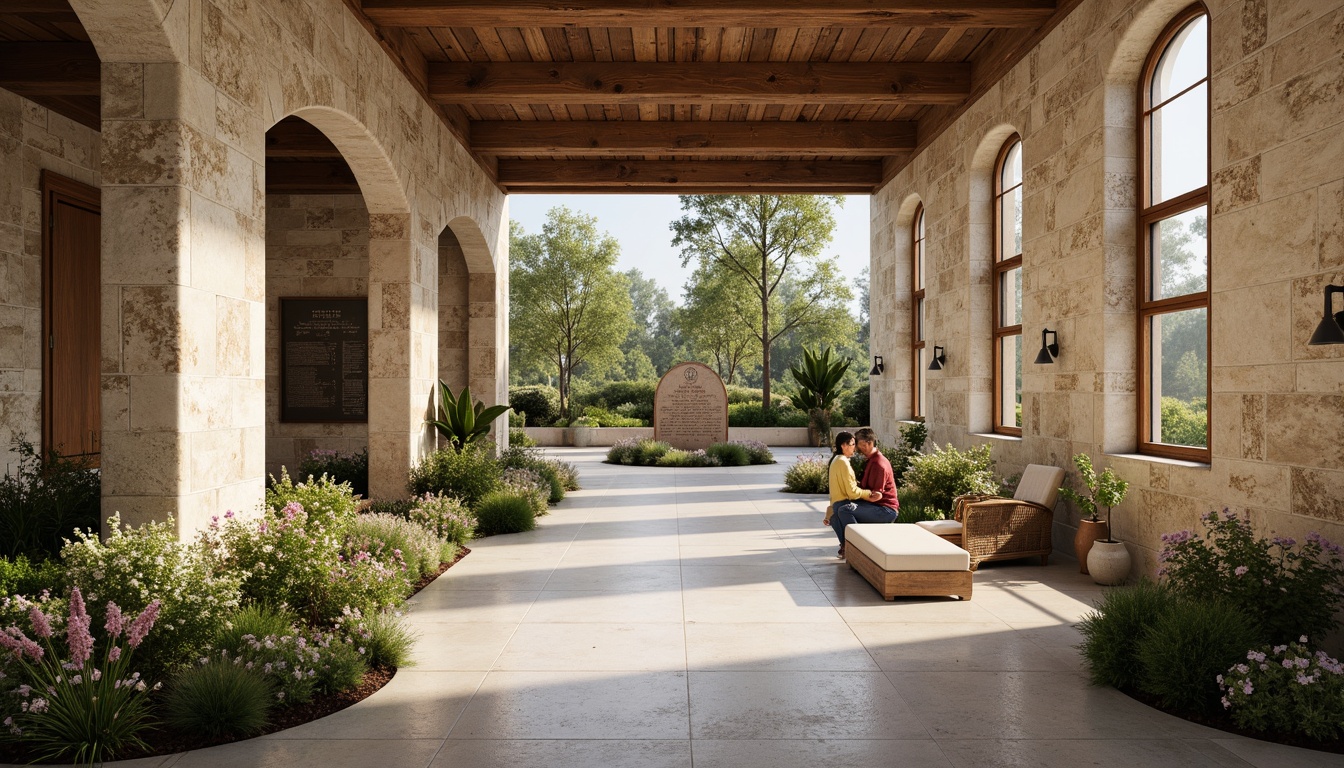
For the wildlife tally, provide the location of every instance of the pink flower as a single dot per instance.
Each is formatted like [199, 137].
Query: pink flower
[77, 629]
[1241, 570]
[142, 624]
[114, 653]
[41, 623]
[115, 621]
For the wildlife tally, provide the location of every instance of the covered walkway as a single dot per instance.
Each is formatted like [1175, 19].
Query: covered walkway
[663, 618]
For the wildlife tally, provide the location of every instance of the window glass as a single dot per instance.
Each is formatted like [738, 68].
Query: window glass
[1184, 62]
[1178, 378]
[1010, 374]
[1179, 145]
[1010, 297]
[1179, 248]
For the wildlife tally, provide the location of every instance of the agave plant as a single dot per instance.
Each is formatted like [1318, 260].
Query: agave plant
[818, 381]
[463, 421]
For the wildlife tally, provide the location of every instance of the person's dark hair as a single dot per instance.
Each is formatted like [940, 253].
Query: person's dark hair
[840, 439]
[867, 434]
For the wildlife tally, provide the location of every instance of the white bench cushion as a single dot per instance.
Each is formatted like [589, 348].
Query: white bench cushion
[903, 547]
[941, 527]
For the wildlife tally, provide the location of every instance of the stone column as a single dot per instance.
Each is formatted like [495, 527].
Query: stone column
[183, 298]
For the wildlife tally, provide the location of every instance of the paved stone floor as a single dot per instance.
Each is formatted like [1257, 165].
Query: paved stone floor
[668, 618]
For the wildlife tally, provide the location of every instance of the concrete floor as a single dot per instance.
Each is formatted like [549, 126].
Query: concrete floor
[670, 618]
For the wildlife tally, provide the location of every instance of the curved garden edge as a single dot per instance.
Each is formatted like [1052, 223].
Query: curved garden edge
[1226, 725]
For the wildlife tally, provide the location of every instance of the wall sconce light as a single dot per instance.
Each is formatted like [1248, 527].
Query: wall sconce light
[878, 367]
[1331, 329]
[1048, 351]
[939, 357]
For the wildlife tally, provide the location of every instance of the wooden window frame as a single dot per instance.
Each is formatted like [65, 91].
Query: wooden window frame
[918, 269]
[1001, 268]
[1149, 215]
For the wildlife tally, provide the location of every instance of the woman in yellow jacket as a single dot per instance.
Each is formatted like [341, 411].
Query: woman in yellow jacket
[844, 488]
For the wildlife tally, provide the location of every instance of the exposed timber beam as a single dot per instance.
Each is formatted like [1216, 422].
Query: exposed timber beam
[708, 13]
[331, 177]
[856, 177]
[615, 138]
[50, 69]
[698, 83]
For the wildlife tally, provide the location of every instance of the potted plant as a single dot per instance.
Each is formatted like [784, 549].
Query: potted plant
[819, 387]
[1105, 490]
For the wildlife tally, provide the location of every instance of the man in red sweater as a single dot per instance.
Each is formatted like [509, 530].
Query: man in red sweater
[877, 476]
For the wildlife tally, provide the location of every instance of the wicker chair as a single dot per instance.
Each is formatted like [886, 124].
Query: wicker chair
[994, 528]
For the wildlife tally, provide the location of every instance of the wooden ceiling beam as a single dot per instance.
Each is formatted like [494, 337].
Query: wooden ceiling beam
[599, 138]
[675, 176]
[708, 13]
[698, 83]
[50, 69]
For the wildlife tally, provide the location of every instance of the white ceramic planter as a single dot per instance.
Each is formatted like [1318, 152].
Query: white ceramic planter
[1108, 562]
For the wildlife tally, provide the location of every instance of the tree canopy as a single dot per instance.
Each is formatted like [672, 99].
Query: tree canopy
[772, 245]
[569, 306]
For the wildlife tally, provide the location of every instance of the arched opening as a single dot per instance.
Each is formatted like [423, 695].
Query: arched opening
[469, 303]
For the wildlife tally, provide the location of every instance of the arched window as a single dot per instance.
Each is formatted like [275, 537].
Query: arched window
[1008, 288]
[1173, 242]
[918, 395]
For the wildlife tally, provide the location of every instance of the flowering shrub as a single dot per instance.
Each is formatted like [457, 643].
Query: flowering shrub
[530, 485]
[418, 547]
[810, 474]
[757, 452]
[140, 565]
[382, 638]
[1287, 592]
[352, 468]
[296, 662]
[286, 557]
[73, 706]
[679, 458]
[948, 473]
[468, 474]
[329, 504]
[1286, 689]
[446, 516]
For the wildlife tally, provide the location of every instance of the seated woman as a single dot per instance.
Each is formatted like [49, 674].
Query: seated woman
[845, 490]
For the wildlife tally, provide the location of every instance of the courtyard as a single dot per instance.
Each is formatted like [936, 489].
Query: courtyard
[699, 617]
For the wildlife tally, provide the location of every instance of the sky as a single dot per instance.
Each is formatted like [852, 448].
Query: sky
[640, 223]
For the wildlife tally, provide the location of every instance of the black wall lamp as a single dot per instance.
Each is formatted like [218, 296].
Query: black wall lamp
[1331, 329]
[939, 357]
[1048, 351]
[878, 367]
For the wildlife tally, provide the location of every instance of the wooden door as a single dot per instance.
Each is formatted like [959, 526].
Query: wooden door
[72, 318]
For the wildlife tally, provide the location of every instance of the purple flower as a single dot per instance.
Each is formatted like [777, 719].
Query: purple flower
[1247, 688]
[1241, 570]
[77, 629]
[142, 624]
[41, 623]
[115, 621]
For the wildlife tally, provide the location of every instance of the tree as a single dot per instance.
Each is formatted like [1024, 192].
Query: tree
[863, 285]
[760, 240]
[568, 304]
[718, 319]
[655, 334]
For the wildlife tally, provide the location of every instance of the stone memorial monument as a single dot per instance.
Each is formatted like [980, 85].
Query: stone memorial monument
[690, 407]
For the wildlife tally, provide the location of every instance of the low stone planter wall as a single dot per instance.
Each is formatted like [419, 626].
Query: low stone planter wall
[583, 437]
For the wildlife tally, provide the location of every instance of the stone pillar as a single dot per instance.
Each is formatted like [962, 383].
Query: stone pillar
[183, 298]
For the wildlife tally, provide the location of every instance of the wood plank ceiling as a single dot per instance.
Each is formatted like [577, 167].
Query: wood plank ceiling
[667, 96]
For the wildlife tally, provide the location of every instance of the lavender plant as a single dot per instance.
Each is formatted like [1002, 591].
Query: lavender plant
[1286, 688]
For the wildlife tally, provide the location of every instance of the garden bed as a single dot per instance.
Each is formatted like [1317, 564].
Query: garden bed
[163, 741]
[1224, 723]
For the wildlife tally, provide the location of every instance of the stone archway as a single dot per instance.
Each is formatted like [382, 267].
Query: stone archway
[473, 342]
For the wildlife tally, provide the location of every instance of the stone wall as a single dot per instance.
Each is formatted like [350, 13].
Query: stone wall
[1277, 237]
[32, 139]
[316, 245]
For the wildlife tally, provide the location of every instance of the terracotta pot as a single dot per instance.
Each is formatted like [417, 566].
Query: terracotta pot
[1088, 532]
[1109, 562]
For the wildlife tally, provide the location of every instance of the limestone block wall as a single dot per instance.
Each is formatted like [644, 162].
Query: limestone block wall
[189, 90]
[454, 281]
[32, 139]
[316, 245]
[1277, 237]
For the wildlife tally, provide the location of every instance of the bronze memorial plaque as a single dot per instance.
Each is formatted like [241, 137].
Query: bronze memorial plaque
[324, 360]
[690, 407]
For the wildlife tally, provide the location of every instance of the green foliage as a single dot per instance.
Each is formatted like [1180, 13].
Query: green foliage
[530, 485]
[386, 639]
[680, 458]
[1186, 647]
[753, 415]
[739, 394]
[137, 566]
[328, 502]
[218, 699]
[1287, 591]
[594, 416]
[915, 507]
[446, 516]
[810, 474]
[464, 421]
[503, 512]
[856, 407]
[628, 399]
[560, 476]
[421, 549]
[540, 403]
[913, 436]
[655, 337]
[567, 304]
[255, 620]
[947, 473]
[729, 454]
[266, 641]
[343, 665]
[351, 468]
[1104, 490]
[1286, 689]
[520, 438]
[757, 452]
[1185, 423]
[1112, 632]
[44, 500]
[21, 576]
[818, 379]
[469, 474]
[720, 320]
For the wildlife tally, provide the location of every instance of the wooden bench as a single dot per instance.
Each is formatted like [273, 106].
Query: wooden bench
[906, 560]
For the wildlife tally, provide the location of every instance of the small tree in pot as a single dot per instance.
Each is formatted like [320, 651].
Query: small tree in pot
[1104, 490]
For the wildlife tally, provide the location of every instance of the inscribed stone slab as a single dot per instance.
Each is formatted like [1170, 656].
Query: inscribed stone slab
[690, 407]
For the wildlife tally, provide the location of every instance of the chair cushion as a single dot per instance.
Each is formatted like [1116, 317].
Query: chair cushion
[1040, 485]
[903, 547]
[941, 527]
